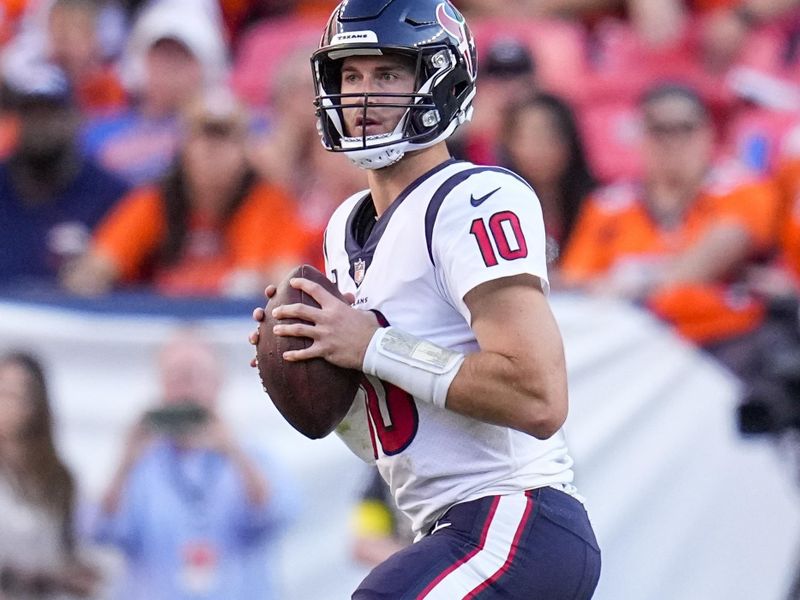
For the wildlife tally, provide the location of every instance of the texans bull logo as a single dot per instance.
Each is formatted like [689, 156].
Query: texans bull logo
[453, 23]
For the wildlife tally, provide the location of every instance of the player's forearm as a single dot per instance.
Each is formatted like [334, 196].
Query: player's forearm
[506, 391]
[524, 390]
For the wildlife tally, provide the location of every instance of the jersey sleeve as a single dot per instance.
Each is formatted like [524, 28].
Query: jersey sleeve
[488, 227]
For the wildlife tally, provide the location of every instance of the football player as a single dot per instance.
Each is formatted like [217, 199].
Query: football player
[464, 390]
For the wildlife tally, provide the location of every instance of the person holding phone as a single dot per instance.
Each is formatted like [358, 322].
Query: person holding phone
[193, 512]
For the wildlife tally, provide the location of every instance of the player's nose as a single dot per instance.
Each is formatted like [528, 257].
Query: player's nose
[368, 85]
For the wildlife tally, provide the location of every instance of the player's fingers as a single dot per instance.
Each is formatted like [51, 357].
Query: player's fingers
[254, 337]
[349, 298]
[254, 362]
[297, 311]
[315, 290]
[306, 353]
[269, 291]
[296, 330]
[259, 314]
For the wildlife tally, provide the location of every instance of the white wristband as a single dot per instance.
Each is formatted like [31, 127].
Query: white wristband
[413, 364]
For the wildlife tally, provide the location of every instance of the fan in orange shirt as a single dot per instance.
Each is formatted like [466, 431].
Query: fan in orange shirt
[210, 228]
[788, 178]
[680, 240]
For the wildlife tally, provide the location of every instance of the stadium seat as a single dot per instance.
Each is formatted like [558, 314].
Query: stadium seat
[756, 135]
[261, 51]
[558, 47]
[612, 134]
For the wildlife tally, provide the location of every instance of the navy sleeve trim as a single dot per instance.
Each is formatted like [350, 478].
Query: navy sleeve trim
[444, 190]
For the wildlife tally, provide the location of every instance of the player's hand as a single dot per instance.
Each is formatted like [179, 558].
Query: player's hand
[258, 317]
[339, 332]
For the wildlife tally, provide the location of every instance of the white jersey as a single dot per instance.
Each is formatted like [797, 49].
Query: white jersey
[452, 229]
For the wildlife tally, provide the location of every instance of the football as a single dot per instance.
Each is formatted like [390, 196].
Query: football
[312, 395]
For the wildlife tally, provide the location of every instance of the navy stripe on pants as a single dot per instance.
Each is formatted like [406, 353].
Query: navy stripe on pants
[537, 545]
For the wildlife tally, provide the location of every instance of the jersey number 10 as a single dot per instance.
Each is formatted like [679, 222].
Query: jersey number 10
[508, 238]
[392, 415]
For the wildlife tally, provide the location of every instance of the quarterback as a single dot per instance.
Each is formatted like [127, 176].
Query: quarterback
[464, 390]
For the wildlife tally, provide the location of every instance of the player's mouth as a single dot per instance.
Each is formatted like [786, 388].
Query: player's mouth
[367, 126]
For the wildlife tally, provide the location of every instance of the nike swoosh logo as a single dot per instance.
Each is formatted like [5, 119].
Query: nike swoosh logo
[441, 525]
[478, 201]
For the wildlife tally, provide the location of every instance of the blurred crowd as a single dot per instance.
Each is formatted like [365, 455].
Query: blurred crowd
[191, 511]
[171, 146]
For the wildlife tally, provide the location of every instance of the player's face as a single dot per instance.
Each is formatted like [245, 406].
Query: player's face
[377, 75]
[678, 140]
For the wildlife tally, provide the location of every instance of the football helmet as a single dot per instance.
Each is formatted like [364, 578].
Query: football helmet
[434, 34]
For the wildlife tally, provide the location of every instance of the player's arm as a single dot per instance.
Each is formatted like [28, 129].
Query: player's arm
[518, 377]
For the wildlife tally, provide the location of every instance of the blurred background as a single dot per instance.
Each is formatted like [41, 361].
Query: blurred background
[159, 164]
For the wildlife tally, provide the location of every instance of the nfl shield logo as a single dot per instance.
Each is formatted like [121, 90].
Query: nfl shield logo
[359, 268]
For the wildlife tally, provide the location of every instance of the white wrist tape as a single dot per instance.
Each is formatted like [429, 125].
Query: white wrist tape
[417, 366]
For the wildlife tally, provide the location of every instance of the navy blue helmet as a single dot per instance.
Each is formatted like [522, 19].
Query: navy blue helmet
[435, 36]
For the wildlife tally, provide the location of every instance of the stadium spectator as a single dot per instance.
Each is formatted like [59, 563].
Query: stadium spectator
[726, 26]
[38, 549]
[75, 46]
[195, 514]
[279, 154]
[542, 143]
[210, 228]
[291, 155]
[174, 50]
[508, 72]
[379, 528]
[51, 196]
[679, 240]
[78, 36]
